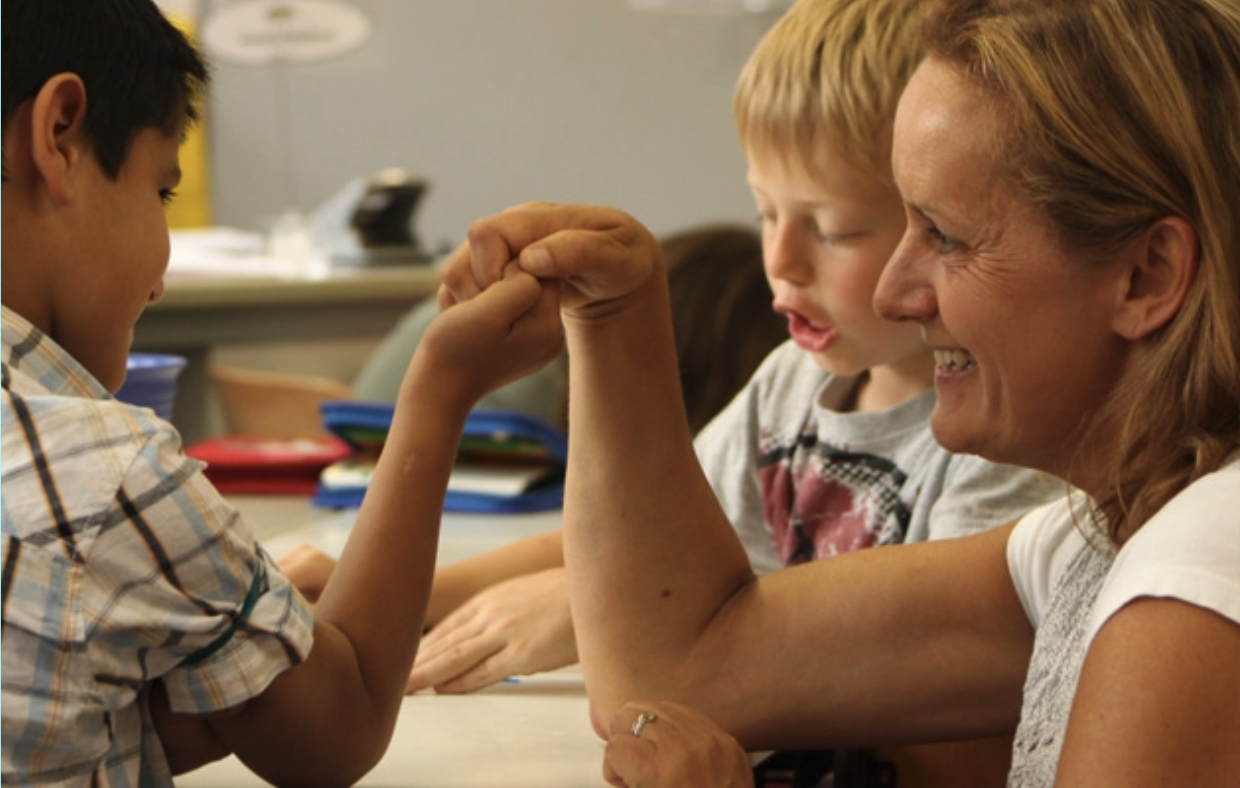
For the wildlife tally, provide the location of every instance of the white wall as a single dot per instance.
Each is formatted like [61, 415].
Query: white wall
[495, 102]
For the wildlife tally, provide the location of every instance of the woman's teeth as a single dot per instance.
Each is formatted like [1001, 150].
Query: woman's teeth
[954, 360]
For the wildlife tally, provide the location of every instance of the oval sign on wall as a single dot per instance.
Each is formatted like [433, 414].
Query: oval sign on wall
[259, 32]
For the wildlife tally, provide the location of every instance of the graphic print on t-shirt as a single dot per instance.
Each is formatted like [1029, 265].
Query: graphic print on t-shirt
[821, 501]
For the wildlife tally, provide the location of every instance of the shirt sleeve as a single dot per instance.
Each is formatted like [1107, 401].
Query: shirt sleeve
[1038, 550]
[181, 589]
[1189, 551]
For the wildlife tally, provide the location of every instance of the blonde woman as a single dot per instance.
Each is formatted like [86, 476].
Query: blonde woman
[1070, 171]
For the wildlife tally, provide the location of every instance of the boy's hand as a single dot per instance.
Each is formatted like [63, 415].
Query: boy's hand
[308, 569]
[600, 254]
[506, 332]
[517, 627]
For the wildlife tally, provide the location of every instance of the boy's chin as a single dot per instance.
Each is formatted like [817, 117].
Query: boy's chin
[840, 367]
[112, 374]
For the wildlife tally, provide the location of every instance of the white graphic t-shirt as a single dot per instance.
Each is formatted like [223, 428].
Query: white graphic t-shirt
[801, 480]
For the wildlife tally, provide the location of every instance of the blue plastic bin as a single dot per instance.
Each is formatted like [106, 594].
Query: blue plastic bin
[151, 382]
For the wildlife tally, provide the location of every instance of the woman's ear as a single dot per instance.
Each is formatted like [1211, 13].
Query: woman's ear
[58, 144]
[1160, 269]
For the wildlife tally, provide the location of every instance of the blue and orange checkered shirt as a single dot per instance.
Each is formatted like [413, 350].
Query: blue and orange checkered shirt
[123, 566]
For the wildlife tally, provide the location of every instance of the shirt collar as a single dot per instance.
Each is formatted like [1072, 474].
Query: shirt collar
[29, 353]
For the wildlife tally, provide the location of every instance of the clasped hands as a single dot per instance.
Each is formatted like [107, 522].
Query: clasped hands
[599, 257]
[506, 289]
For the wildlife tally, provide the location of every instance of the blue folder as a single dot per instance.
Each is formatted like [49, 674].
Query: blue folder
[507, 435]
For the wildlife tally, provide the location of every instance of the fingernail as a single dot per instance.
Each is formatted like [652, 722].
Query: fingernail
[536, 260]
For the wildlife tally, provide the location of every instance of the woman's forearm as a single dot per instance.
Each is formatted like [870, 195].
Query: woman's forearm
[650, 554]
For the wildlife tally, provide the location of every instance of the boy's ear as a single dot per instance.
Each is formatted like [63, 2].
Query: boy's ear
[58, 142]
[1157, 277]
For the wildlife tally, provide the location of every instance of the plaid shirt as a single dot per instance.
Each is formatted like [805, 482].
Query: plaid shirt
[122, 566]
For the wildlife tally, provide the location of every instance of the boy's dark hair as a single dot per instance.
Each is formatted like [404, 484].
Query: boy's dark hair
[139, 69]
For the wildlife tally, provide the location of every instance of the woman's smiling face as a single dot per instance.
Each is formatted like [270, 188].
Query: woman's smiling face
[1020, 325]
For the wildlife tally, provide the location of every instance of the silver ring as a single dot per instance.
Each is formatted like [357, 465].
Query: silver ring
[642, 719]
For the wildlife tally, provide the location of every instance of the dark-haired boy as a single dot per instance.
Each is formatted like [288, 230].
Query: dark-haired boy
[145, 631]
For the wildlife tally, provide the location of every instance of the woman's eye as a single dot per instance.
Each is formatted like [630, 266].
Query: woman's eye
[944, 242]
[166, 196]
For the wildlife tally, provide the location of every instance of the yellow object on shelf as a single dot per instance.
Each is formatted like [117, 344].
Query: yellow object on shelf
[192, 206]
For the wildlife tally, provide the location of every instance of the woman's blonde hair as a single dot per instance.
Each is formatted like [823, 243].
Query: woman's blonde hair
[1119, 113]
[829, 73]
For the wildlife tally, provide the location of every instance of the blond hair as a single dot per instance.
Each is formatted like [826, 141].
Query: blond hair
[1119, 113]
[829, 72]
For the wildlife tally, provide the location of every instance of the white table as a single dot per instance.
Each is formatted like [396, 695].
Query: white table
[533, 732]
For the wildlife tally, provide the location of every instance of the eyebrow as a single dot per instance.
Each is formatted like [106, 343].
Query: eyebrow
[811, 204]
[929, 213]
[917, 209]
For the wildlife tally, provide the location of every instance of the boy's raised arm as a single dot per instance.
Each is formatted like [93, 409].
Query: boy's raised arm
[329, 719]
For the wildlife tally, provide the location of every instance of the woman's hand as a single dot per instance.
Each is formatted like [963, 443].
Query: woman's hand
[667, 745]
[516, 627]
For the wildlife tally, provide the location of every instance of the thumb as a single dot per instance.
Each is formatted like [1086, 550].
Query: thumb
[515, 294]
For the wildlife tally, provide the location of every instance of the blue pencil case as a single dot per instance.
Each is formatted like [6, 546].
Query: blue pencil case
[507, 461]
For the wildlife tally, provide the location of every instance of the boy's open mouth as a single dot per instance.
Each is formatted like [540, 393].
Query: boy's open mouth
[810, 336]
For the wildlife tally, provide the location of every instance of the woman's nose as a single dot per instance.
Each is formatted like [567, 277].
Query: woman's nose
[905, 290]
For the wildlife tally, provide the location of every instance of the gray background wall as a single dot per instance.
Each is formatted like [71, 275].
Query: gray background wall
[495, 102]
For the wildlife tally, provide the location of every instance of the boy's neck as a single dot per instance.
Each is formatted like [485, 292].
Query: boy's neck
[885, 387]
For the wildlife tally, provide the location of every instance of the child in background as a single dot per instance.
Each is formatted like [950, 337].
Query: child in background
[145, 631]
[543, 394]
